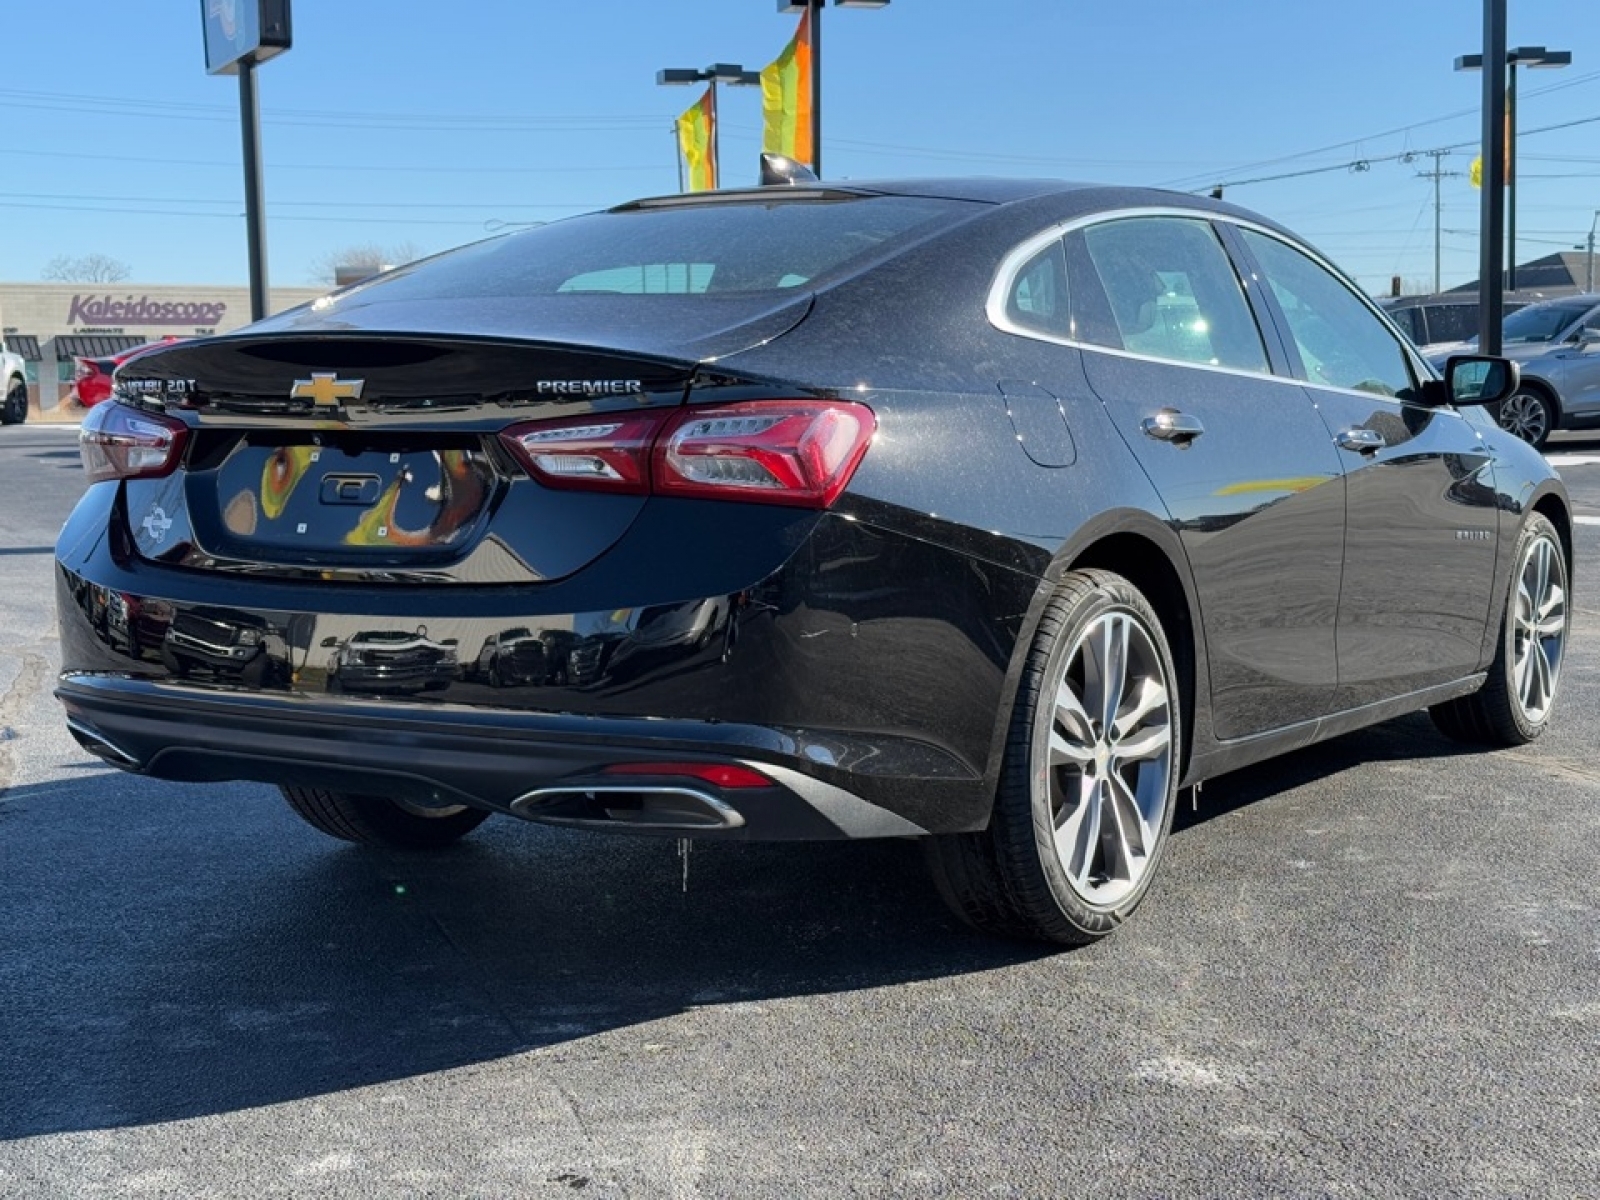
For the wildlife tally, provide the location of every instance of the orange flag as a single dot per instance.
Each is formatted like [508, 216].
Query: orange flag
[786, 98]
[697, 138]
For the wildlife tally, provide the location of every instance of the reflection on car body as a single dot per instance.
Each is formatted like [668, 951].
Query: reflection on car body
[985, 512]
[390, 661]
[224, 643]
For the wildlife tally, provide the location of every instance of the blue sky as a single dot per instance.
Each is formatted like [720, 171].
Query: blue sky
[426, 125]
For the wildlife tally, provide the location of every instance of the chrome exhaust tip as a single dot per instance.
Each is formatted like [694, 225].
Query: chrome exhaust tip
[645, 809]
[102, 747]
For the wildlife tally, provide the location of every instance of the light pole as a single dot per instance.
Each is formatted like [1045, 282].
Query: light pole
[1527, 56]
[816, 7]
[730, 73]
[1588, 282]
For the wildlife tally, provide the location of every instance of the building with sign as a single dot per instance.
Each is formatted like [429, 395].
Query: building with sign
[53, 324]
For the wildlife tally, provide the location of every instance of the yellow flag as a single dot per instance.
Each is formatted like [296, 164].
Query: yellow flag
[697, 138]
[786, 98]
[1475, 172]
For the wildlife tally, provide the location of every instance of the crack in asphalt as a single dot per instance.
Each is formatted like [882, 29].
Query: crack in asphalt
[32, 676]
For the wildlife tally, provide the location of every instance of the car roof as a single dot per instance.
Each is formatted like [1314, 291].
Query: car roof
[983, 189]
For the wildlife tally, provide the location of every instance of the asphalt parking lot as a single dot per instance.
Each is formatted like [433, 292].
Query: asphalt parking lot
[1371, 969]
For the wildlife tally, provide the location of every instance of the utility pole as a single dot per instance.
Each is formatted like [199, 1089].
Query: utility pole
[1589, 282]
[1437, 175]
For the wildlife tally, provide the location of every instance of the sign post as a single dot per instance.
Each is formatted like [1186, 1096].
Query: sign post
[239, 35]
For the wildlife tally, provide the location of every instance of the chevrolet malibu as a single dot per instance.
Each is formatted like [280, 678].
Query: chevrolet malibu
[985, 512]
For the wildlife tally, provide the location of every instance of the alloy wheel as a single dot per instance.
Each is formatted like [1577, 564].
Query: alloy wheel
[1539, 627]
[1110, 758]
[1526, 416]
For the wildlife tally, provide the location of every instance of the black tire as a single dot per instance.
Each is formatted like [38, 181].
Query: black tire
[1530, 414]
[1013, 879]
[1516, 701]
[380, 821]
[15, 409]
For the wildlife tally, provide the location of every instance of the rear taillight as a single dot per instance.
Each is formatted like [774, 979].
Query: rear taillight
[796, 452]
[596, 453]
[119, 442]
[771, 451]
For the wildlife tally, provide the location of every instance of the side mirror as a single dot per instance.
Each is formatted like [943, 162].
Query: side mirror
[1479, 379]
[1589, 336]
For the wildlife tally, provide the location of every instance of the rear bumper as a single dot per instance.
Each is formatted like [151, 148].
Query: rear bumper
[542, 767]
[864, 670]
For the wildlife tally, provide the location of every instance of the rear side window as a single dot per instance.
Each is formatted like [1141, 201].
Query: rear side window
[681, 249]
[1038, 298]
[1411, 323]
[1173, 293]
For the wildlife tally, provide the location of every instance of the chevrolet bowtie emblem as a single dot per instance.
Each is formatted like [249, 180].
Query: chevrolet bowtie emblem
[325, 389]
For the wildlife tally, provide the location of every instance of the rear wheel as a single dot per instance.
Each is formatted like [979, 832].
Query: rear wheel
[1089, 782]
[380, 821]
[15, 409]
[1529, 414]
[1516, 701]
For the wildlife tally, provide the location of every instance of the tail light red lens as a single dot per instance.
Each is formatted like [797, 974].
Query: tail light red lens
[796, 452]
[771, 451]
[119, 442]
[601, 452]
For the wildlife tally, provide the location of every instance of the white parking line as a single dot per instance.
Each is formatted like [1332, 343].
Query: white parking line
[1572, 460]
[1580, 520]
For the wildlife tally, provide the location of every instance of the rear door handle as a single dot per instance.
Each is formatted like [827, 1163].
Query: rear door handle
[1361, 440]
[1170, 425]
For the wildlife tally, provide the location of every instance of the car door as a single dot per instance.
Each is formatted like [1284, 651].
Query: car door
[1238, 454]
[1573, 368]
[1421, 521]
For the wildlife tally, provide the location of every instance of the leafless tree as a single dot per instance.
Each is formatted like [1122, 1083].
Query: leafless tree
[85, 268]
[370, 257]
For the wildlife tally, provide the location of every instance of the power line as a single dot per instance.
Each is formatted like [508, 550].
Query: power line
[1362, 165]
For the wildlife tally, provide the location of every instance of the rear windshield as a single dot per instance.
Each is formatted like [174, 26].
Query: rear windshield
[689, 249]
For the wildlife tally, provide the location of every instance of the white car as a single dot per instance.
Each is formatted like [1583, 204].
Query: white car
[14, 408]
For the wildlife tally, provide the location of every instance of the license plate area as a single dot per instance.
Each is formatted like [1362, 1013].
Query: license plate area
[373, 501]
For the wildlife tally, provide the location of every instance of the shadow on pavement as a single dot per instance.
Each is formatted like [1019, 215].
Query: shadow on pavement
[174, 953]
[1410, 738]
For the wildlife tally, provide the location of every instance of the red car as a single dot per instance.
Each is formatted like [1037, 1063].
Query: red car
[92, 383]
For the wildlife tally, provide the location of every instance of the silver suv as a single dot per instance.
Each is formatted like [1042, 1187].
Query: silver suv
[1557, 342]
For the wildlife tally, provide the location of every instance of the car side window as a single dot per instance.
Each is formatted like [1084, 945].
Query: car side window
[1342, 342]
[1173, 293]
[1038, 298]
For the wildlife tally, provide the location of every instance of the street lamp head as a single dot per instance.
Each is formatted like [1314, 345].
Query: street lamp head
[799, 6]
[1538, 56]
[1522, 56]
[733, 73]
[680, 75]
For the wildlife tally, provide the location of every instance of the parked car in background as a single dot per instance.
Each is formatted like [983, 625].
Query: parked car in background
[985, 512]
[92, 379]
[1557, 344]
[13, 387]
[1444, 322]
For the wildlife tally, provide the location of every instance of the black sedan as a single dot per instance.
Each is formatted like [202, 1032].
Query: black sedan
[986, 512]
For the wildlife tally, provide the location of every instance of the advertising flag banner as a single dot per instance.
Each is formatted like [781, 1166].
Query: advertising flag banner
[786, 98]
[697, 139]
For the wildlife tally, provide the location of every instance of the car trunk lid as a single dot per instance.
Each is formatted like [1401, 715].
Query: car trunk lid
[377, 457]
